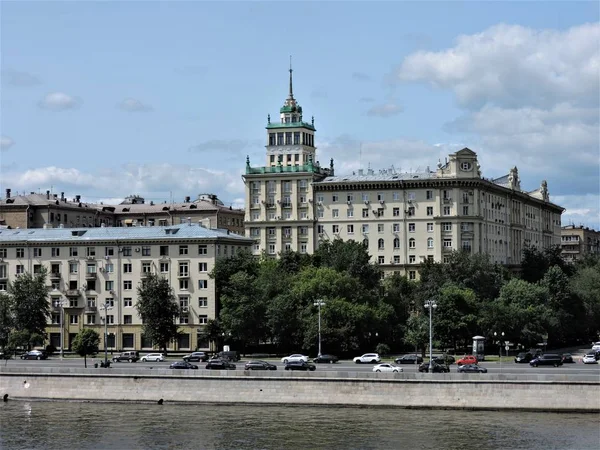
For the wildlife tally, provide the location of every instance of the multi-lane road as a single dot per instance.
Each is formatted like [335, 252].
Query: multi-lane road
[576, 369]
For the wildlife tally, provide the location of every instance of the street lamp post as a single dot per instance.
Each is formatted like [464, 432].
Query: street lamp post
[500, 342]
[62, 305]
[319, 303]
[430, 305]
[106, 307]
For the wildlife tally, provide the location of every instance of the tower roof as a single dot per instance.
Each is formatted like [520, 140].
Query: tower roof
[291, 105]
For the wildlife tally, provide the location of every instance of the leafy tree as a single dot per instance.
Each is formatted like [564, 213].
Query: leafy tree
[585, 286]
[157, 308]
[536, 262]
[86, 343]
[400, 294]
[212, 331]
[417, 331]
[24, 339]
[31, 308]
[456, 316]
[6, 319]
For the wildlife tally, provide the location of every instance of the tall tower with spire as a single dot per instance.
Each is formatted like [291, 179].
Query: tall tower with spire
[280, 209]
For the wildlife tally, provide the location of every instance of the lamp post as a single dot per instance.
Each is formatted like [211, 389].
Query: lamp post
[319, 303]
[500, 341]
[430, 305]
[62, 305]
[106, 307]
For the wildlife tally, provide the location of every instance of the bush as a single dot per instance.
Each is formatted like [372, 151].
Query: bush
[382, 349]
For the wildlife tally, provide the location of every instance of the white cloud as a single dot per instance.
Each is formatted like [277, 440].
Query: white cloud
[580, 209]
[133, 105]
[59, 101]
[384, 110]
[509, 65]
[6, 143]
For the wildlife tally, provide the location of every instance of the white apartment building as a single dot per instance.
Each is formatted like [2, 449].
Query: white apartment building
[92, 267]
[292, 203]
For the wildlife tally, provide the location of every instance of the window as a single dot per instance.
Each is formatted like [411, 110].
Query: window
[184, 270]
[365, 212]
[127, 251]
[447, 243]
[91, 268]
[3, 285]
[73, 319]
[365, 229]
[146, 251]
[350, 197]
[146, 267]
[164, 267]
[335, 213]
[203, 267]
[334, 198]
[350, 212]
[430, 227]
[127, 319]
[110, 319]
[396, 228]
[73, 251]
[202, 284]
[447, 210]
[90, 319]
[127, 268]
[336, 229]
[109, 285]
[350, 229]
[429, 242]
[20, 253]
[203, 302]
[396, 212]
[109, 251]
[430, 210]
[411, 227]
[381, 259]
[55, 252]
[412, 243]
[184, 284]
[127, 285]
[109, 267]
[37, 252]
[429, 195]
[183, 249]
[380, 227]
[412, 275]
[411, 210]
[380, 244]
[19, 269]
[90, 251]
[412, 259]
[396, 243]
[203, 249]
[202, 320]
[3, 253]
[396, 196]
[164, 250]
[465, 210]
[127, 302]
[446, 226]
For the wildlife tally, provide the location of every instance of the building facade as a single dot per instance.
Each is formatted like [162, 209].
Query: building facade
[89, 268]
[292, 203]
[578, 242]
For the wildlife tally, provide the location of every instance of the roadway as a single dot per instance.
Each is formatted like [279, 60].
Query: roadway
[343, 366]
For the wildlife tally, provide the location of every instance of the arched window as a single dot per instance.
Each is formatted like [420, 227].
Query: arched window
[412, 243]
[380, 244]
[396, 243]
[430, 243]
[366, 243]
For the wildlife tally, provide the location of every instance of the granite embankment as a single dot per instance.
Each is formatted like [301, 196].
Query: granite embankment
[452, 391]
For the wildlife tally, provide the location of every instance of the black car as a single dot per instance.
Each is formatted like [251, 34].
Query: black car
[567, 358]
[35, 354]
[220, 364]
[326, 359]
[523, 357]
[300, 365]
[182, 365]
[470, 368]
[259, 365]
[549, 359]
[196, 356]
[436, 368]
[409, 359]
[444, 359]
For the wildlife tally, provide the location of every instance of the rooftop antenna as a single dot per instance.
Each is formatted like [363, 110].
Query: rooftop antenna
[291, 95]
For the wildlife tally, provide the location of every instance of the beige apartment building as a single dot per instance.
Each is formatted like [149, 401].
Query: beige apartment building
[579, 241]
[292, 203]
[93, 274]
[51, 211]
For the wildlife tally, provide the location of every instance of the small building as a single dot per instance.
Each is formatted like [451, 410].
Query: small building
[579, 241]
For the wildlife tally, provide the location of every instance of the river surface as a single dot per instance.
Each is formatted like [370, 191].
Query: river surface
[76, 425]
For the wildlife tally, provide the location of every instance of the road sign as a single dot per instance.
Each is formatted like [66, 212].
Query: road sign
[507, 347]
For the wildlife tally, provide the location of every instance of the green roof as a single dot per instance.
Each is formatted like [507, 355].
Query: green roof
[271, 126]
[311, 168]
[291, 108]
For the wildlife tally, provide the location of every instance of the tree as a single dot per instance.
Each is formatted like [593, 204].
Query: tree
[417, 331]
[6, 319]
[455, 319]
[86, 343]
[157, 308]
[30, 306]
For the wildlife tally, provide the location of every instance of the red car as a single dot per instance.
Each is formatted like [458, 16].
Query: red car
[469, 359]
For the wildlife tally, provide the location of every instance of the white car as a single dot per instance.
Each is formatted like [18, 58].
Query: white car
[294, 357]
[590, 359]
[153, 357]
[386, 367]
[596, 346]
[367, 358]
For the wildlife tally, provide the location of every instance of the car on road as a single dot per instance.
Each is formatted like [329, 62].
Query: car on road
[196, 357]
[126, 356]
[35, 354]
[387, 367]
[367, 358]
[548, 359]
[436, 368]
[523, 357]
[444, 359]
[331, 359]
[409, 359]
[294, 357]
[153, 357]
[468, 359]
[469, 368]
[590, 358]
[259, 365]
[567, 358]
[230, 355]
[220, 364]
[300, 365]
[182, 365]
[596, 346]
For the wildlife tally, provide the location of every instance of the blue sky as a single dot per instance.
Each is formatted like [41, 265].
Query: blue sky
[161, 99]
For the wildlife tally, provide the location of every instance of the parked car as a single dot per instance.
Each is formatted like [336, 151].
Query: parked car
[468, 368]
[220, 364]
[372, 358]
[35, 354]
[196, 356]
[436, 368]
[182, 365]
[126, 356]
[444, 359]
[590, 358]
[294, 357]
[409, 359]
[300, 365]
[259, 365]
[326, 359]
[596, 346]
[153, 357]
[549, 359]
[523, 357]
[230, 355]
[567, 358]
[387, 367]
[468, 359]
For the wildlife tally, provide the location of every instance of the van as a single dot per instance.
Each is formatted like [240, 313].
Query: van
[231, 356]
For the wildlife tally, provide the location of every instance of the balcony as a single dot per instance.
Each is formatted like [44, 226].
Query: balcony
[90, 275]
[183, 275]
[72, 293]
[447, 200]
[54, 275]
[145, 274]
[91, 309]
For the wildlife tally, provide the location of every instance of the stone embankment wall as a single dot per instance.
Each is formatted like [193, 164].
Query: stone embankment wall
[455, 391]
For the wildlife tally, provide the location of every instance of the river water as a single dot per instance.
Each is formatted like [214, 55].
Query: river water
[75, 425]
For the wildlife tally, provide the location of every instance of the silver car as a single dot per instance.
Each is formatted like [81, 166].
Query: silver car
[153, 357]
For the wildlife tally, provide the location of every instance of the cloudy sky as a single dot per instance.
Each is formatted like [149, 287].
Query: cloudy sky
[166, 99]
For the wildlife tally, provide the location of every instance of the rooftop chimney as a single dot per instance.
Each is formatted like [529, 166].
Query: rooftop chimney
[77, 198]
[189, 219]
[187, 199]
[62, 196]
[8, 193]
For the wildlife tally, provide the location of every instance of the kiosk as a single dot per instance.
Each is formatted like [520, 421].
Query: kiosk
[479, 348]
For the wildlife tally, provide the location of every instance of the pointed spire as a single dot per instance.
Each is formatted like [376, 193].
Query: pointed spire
[291, 94]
